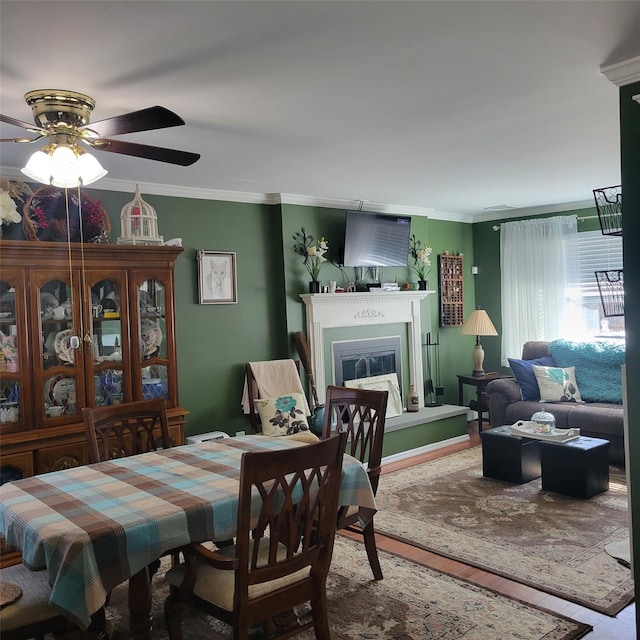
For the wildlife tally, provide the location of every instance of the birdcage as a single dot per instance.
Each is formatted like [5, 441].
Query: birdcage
[139, 222]
[609, 206]
[611, 287]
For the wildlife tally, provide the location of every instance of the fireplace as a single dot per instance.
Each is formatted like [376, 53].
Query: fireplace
[332, 310]
[354, 359]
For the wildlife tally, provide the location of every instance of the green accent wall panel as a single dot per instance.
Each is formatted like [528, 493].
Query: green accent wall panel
[423, 434]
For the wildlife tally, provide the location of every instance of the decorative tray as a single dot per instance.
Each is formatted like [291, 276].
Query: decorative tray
[525, 428]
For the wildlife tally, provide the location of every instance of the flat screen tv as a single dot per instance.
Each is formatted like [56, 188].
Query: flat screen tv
[376, 239]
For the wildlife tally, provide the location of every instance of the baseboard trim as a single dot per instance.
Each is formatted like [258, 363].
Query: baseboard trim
[425, 449]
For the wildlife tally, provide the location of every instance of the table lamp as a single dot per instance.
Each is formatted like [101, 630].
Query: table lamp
[478, 324]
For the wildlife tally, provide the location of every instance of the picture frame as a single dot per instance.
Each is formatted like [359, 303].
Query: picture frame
[217, 277]
[387, 382]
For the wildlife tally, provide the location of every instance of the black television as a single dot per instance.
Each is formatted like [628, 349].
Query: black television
[376, 239]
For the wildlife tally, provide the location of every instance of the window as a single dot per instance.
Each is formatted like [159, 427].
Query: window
[596, 252]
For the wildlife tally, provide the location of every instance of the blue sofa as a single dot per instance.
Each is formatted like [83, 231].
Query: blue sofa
[596, 417]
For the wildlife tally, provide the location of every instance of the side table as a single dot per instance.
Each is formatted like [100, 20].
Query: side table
[480, 383]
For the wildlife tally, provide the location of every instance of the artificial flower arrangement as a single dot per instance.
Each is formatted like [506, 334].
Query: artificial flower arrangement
[10, 191]
[53, 214]
[420, 253]
[312, 252]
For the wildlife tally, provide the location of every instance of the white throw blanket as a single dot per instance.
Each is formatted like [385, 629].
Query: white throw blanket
[274, 378]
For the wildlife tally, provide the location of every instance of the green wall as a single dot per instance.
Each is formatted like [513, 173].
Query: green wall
[216, 340]
[423, 434]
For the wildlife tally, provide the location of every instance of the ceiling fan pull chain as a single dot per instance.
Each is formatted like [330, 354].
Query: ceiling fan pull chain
[83, 279]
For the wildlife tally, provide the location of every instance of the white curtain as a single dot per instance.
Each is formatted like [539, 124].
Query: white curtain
[538, 259]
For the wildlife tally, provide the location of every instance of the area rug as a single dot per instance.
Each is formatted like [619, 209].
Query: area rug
[546, 540]
[411, 603]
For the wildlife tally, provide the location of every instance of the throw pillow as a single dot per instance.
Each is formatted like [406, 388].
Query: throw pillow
[557, 384]
[283, 415]
[526, 379]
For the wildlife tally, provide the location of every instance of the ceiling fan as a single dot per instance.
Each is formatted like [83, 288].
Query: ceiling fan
[62, 117]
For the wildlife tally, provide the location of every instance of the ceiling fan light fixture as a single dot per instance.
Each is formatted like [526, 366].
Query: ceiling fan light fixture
[38, 167]
[64, 170]
[64, 166]
[90, 169]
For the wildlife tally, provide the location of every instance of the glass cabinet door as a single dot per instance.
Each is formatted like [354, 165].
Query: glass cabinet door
[59, 370]
[107, 340]
[13, 407]
[153, 328]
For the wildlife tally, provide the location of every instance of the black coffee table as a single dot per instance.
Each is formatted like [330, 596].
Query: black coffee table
[509, 457]
[578, 468]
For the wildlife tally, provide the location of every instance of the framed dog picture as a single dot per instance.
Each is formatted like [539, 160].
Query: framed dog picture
[217, 282]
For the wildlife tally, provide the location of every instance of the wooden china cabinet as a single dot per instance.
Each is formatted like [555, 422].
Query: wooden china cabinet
[82, 325]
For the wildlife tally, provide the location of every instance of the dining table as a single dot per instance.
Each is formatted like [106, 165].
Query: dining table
[96, 526]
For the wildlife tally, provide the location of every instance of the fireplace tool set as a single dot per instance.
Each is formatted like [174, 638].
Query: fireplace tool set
[433, 389]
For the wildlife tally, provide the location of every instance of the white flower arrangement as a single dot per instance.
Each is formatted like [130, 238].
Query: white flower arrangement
[420, 253]
[8, 210]
[312, 252]
[10, 191]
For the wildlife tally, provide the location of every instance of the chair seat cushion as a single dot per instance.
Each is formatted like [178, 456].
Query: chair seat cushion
[33, 605]
[217, 585]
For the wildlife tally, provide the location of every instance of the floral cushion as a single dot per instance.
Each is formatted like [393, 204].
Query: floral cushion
[557, 384]
[283, 415]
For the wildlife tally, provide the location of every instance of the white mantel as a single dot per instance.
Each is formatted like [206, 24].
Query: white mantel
[361, 309]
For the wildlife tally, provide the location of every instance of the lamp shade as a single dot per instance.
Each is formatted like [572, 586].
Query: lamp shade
[478, 324]
[63, 167]
[38, 167]
[90, 169]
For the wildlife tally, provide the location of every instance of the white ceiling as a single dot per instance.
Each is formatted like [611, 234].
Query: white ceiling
[450, 106]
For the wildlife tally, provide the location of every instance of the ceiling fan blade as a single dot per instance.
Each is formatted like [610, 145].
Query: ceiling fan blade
[172, 156]
[143, 120]
[20, 123]
[21, 139]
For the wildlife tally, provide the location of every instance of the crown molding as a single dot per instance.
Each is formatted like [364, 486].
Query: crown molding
[533, 211]
[175, 191]
[366, 205]
[622, 73]
[151, 188]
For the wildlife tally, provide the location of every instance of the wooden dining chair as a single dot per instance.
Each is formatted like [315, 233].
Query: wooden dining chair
[278, 377]
[29, 615]
[286, 525]
[122, 430]
[361, 414]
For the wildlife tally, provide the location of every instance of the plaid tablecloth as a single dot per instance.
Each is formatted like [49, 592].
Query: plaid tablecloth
[95, 526]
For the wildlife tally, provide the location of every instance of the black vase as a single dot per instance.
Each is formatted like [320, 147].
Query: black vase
[314, 286]
[422, 285]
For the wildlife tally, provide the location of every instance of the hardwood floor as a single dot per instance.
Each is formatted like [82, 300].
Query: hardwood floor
[622, 627]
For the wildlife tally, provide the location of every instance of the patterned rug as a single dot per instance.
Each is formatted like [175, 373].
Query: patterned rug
[549, 541]
[411, 603]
